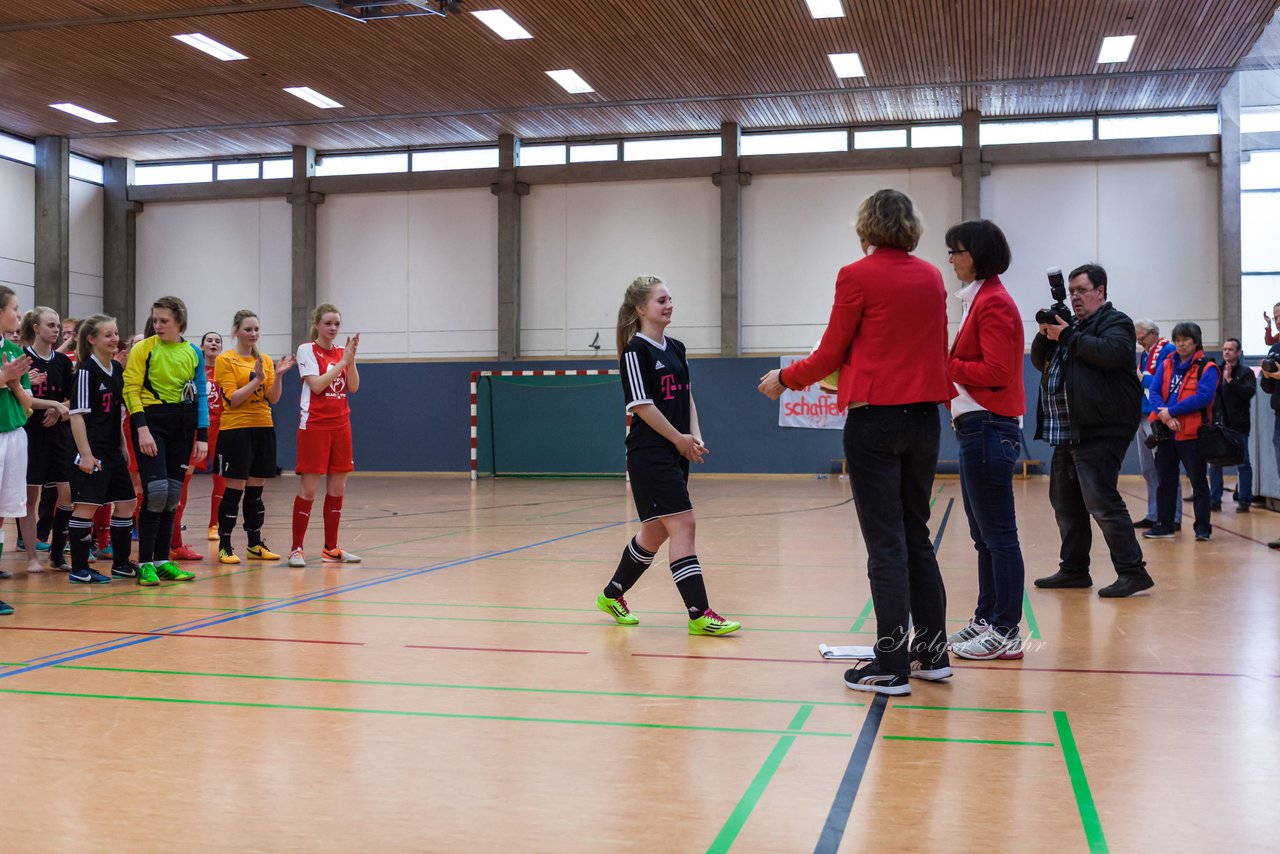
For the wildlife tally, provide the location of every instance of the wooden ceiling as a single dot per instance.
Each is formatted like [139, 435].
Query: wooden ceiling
[658, 67]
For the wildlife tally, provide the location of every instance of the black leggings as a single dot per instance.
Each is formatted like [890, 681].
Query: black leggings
[173, 429]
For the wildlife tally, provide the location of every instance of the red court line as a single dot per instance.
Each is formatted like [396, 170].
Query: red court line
[498, 649]
[1216, 526]
[175, 635]
[954, 663]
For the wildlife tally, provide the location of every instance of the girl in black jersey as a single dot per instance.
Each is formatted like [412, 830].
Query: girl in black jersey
[101, 475]
[49, 445]
[664, 439]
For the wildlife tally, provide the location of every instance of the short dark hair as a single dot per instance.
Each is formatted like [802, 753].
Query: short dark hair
[1235, 341]
[1097, 275]
[1187, 329]
[985, 243]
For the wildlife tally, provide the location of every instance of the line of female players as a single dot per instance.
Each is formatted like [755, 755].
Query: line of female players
[112, 428]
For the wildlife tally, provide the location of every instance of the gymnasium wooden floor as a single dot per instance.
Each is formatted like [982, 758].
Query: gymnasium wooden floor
[459, 692]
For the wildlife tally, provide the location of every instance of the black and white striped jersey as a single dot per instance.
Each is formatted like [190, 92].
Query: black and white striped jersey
[98, 395]
[658, 374]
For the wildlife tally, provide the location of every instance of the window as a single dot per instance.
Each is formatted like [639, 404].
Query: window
[593, 153]
[172, 173]
[794, 143]
[17, 149]
[237, 171]
[1262, 172]
[1259, 119]
[937, 136]
[278, 167]
[85, 169]
[671, 149]
[1051, 130]
[543, 155]
[464, 158]
[1136, 127]
[879, 139]
[362, 164]
[1259, 249]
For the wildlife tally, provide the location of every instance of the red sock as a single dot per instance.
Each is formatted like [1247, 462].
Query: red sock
[176, 541]
[102, 525]
[332, 516]
[215, 500]
[301, 516]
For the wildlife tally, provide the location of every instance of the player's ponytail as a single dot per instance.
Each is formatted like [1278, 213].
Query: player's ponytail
[86, 330]
[241, 316]
[638, 293]
[30, 320]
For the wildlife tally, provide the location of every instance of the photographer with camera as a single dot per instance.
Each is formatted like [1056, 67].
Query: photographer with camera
[1155, 349]
[1090, 404]
[1235, 402]
[1182, 399]
[1270, 385]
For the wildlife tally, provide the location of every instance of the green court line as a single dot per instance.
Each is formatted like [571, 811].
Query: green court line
[448, 685]
[862, 617]
[186, 701]
[733, 825]
[968, 740]
[1080, 786]
[1032, 625]
[974, 709]
[198, 579]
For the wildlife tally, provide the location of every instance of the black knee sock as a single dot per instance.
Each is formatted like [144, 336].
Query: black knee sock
[228, 510]
[121, 539]
[255, 513]
[147, 522]
[81, 542]
[687, 574]
[164, 536]
[48, 503]
[635, 560]
[58, 535]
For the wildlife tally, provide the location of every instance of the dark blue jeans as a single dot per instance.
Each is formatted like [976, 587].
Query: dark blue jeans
[893, 454]
[1168, 456]
[1082, 484]
[989, 447]
[1244, 479]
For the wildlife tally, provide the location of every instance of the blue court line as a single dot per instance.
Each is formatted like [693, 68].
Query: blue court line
[838, 817]
[300, 600]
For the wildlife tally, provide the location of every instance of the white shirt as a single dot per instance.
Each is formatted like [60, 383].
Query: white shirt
[964, 402]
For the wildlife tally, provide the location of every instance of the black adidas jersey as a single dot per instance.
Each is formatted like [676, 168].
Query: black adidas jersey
[99, 397]
[58, 372]
[658, 375]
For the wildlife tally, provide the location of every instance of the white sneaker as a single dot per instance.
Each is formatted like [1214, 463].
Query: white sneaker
[990, 645]
[975, 628]
[297, 559]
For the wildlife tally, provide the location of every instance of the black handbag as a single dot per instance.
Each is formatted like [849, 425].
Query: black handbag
[1219, 445]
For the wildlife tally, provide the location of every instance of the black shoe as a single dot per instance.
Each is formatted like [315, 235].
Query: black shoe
[1242, 508]
[1177, 526]
[1144, 523]
[1127, 585]
[869, 677]
[128, 569]
[1065, 579]
[1203, 537]
[1274, 544]
[1216, 508]
[1158, 533]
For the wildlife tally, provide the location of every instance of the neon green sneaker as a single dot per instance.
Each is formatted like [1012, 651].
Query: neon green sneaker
[711, 623]
[147, 575]
[170, 571]
[617, 608]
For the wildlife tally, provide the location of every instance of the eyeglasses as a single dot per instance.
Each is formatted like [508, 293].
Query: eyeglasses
[951, 253]
[1075, 292]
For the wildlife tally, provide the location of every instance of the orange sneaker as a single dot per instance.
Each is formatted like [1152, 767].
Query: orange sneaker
[338, 556]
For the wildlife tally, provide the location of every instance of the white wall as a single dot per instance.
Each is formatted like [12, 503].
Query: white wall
[415, 273]
[18, 229]
[219, 256]
[85, 249]
[582, 244]
[797, 233]
[1152, 224]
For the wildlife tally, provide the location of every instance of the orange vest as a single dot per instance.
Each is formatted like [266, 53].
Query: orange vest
[1188, 423]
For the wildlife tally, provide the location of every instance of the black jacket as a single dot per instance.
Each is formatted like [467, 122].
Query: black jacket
[1104, 394]
[1270, 386]
[1235, 398]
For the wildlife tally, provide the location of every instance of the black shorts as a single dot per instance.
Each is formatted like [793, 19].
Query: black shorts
[106, 486]
[49, 454]
[659, 482]
[246, 452]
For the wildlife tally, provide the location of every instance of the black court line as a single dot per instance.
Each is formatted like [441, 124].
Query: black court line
[838, 817]
[942, 527]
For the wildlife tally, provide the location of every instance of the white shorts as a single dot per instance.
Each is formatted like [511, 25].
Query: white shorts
[13, 474]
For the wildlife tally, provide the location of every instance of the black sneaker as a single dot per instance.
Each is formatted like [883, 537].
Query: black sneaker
[869, 677]
[1145, 523]
[1242, 508]
[1216, 508]
[87, 576]
[1065, 579]
[1203, 536]
[128, 569]
[1159, 533]
[935, 672]
[1127, 585]
[5, 608]
[1177, 526]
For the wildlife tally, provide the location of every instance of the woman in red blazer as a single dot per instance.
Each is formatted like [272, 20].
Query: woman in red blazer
[888, 337]
[985, 364]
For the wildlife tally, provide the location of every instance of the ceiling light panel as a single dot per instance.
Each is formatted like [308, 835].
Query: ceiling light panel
[311, 96]
[81, 112]
[502, 24]
[1116, 49]
[826, 8]
[846, 65]
[570, 81]
[216, 49]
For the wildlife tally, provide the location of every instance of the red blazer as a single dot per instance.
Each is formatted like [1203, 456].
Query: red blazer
[987, 356]
[887, 334]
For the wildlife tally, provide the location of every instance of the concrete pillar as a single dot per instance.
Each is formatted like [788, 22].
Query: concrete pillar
[53, 219]
[508, 190]
[730, 179]
[1229, 262]
[303, 203]
[119, 246]
[970, 166]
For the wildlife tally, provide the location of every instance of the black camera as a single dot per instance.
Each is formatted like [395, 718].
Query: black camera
[1270, 365]
[1057, 290]
[1160, 433]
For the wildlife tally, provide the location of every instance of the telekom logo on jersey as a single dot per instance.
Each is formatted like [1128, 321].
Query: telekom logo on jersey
[670, 386]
